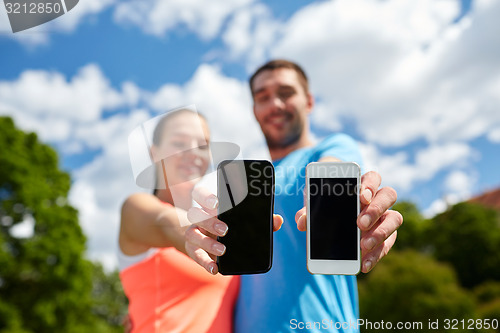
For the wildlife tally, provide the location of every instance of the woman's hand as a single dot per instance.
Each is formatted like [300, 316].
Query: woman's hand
[201, 237]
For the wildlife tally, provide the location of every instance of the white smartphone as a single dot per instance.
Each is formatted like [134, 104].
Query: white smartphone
[332, 199]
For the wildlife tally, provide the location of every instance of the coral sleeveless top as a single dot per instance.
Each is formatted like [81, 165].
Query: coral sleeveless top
[169, 292]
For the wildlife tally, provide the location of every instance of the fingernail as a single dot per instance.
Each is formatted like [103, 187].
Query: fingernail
[221, 228]
[368, 265]
[301, 219]
[370, 243]
[219, 249]
[212, 269]
[367, 195]
[212, 202]
[365, 221]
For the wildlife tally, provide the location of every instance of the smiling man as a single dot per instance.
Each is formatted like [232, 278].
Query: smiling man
[282, 103]
[288, 297]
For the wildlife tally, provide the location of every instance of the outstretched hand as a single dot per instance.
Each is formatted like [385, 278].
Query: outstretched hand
[378, 224]
[201, 237]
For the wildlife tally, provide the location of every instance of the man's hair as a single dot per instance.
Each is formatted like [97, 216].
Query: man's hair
[281, 63]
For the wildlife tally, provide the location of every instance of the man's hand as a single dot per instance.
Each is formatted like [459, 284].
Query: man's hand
[201, 237]
[378, 224]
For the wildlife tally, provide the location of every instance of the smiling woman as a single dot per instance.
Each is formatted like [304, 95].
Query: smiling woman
[167, 290]
[180, 151]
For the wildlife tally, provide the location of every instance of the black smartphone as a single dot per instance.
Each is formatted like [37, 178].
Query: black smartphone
[245, 189]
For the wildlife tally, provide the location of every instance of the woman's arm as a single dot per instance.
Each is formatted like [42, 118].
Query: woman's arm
[148, 222]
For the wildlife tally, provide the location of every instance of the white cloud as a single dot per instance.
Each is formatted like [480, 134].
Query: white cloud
[400, 172]
[250, 33]
[51, 105]
[437, 206]
[494, 135]
[70, 21]
[403, 172]
[226, 103]
[402, 69]
[29, 38]
[459, 184]
[102, 185]
[457, 187]
[158, 17]
[69, 112]
[324, 116]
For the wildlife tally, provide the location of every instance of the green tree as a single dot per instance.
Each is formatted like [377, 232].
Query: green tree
[488, 298]
[411, 287]
[411, 235]
[468, 237]
[109, 300]
[45, 282]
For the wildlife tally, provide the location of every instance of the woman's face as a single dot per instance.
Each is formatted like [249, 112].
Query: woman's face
[183, 149]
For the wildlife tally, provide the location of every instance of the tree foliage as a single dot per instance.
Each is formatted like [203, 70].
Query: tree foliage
[109, 300]
[45, 282]
[468, 237]
[488, 298]
[411, 235]
[411, 287]
[443, 268]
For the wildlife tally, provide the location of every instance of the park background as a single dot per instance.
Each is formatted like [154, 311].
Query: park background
[416, 83]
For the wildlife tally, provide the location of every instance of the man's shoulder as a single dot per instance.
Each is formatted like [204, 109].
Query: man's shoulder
[336, 139]
[338, 145]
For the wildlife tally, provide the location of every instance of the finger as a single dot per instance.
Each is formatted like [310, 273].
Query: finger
[299, 213]
[277, 222]
[370, 182]
[202, 258]
[196, 237]
[383, 200]
[300, 219]
[205, 198]
[370, 259]
[389, 222]
[204, 220]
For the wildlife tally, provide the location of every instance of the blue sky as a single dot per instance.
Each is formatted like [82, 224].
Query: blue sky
[417, 84]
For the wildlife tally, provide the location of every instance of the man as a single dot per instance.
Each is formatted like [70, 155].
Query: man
[288, 297]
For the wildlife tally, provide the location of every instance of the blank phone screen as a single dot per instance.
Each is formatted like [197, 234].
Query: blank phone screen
[246, 197]
[333, 208]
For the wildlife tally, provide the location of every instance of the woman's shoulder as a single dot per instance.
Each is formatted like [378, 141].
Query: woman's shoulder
[142, 200]
[139, 197]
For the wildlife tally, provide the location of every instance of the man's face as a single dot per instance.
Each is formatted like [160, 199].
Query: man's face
[281, 106]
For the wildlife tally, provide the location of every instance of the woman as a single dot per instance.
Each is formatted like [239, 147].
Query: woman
[167, 290]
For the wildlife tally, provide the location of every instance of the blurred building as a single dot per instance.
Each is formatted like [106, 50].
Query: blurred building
[489, 199]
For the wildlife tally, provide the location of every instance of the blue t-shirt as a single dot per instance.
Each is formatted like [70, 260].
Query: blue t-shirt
[288, 298]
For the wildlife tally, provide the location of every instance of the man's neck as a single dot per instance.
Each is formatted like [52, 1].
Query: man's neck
[281, 152]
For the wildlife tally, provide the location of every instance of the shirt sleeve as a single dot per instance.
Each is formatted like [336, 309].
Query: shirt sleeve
[340, 146]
